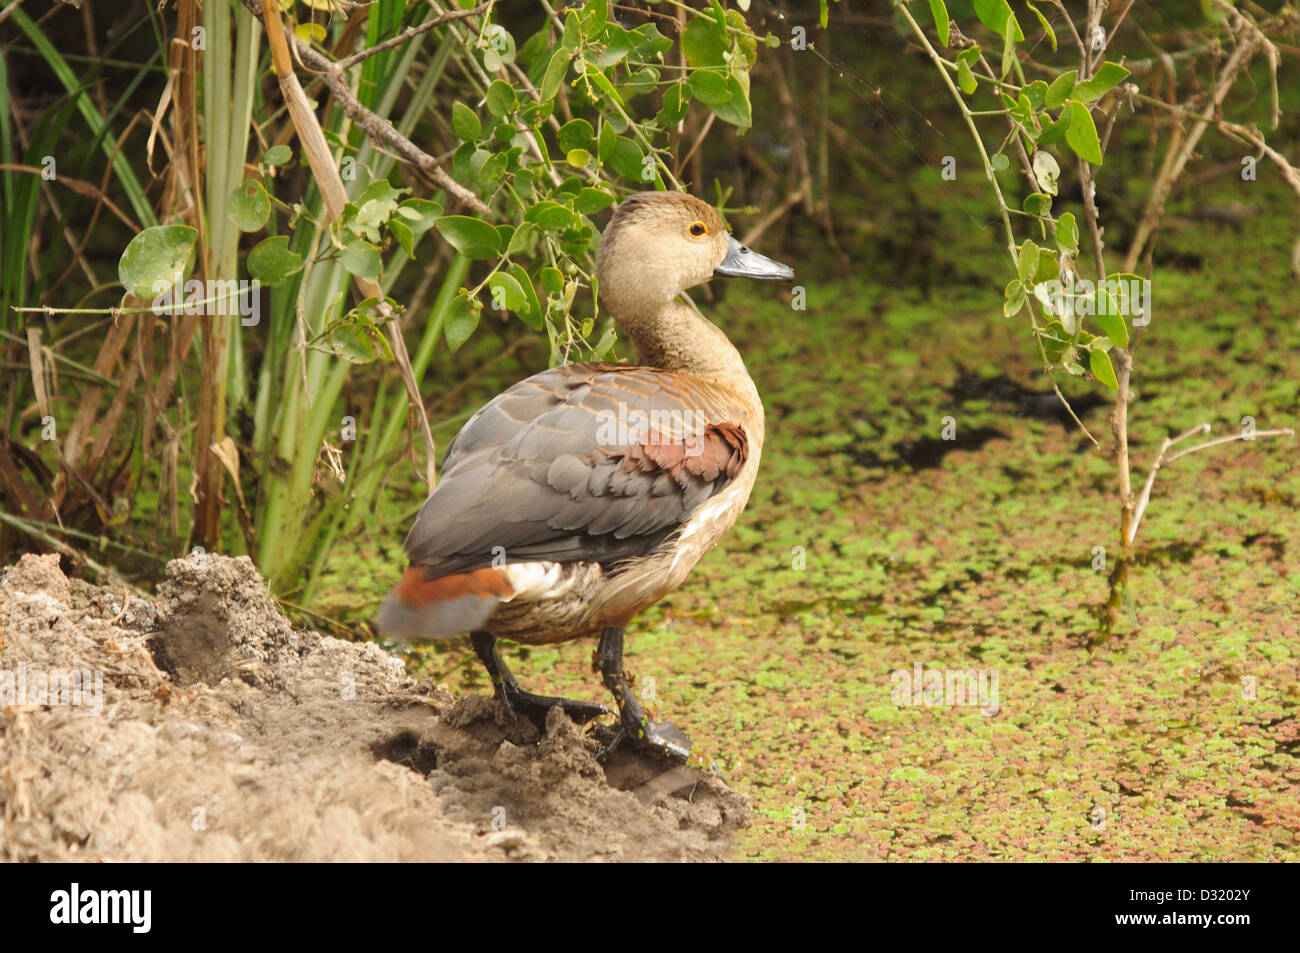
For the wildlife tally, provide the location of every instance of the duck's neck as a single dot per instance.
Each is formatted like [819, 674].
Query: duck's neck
[673, 336]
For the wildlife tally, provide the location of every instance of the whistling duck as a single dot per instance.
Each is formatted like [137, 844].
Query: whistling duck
[587, 492]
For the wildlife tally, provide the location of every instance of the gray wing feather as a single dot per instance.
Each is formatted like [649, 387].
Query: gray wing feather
[536, 472]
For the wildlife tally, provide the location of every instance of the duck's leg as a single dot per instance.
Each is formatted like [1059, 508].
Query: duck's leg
[661, 738]
[515, 700]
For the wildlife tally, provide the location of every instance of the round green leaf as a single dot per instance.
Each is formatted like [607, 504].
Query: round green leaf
[500, 98]
[506, 290]
[576, 134]
[465, 123]
[156, 259]
[362, 259]
[248, 206]
[271, 261]
[1067, 234]
[277, 155]
[591, 201]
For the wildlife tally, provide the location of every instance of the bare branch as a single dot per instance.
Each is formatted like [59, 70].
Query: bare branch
[1164, 458]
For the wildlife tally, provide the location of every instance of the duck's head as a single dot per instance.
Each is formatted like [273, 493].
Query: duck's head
[658, 244]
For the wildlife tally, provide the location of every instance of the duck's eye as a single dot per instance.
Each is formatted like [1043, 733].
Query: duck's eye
[698, 229]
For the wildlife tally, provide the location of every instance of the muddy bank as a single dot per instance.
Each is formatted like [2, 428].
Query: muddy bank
[204, 727]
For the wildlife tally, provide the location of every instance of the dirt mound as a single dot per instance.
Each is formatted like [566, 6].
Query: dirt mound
[205, 727]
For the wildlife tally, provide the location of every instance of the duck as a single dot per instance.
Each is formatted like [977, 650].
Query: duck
[585, 493]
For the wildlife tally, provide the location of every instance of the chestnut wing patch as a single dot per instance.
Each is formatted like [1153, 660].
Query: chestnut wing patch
[719, 452]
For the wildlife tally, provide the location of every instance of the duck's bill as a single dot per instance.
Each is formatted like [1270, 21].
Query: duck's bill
[742, 262]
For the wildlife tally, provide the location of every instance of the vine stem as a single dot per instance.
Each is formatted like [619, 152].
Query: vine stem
[1003, 209]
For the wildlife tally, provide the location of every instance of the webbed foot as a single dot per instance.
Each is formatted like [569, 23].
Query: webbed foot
[517, 702]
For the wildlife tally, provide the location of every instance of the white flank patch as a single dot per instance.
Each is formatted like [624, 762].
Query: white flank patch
[532, 580]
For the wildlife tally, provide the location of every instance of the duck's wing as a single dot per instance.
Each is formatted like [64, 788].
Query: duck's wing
[585, 462]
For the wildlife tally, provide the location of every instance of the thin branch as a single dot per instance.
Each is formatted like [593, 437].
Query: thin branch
[350, 61]
[1164, 458]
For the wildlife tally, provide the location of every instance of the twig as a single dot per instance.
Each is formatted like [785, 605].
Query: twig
[1164, 458]
[350, 61]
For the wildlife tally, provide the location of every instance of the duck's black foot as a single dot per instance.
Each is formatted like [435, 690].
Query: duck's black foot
[660, 739]
[517, 702]
[635, 728]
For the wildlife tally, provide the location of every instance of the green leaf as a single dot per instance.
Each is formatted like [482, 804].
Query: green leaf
[1013, 299]
[551, 216]
[1214, 13]
[704, 41]
[1116, 304]
[608, 141]
[462, 319]
[627, 159]
[578, 158]
[727, 97]
[533, 312]
[576, 134]
[500, 98]
[591, 201]
[1107, 77]
[994, 14]
[1047, 170]
[372, 209]
[1049, 266]
[939, 11]
[1053, 132]
[552, 280]
[1036, 94]
[1099, 361]
[1037, 203]
[405, 237]
[1047, 27]
[999, 162]
[505, 289]
[362, 259]
[1067, 234]
[1082, 134]
[676, 99]
[355, 337]
[594, 16]
[472, 237]
[1009, 45]
[156, 259]
[1059, 91]
[248, 206]
[465, 123]
[572, 36]
[271, 262]
[555, 73]
[277, 155]
[521, 242]
[965, 78]
[616, 43]
[420, 214]
[1027, 261]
